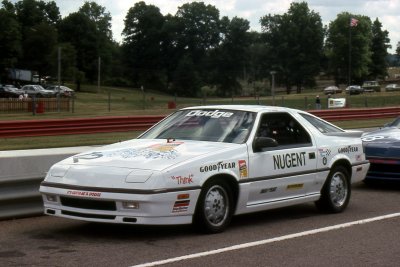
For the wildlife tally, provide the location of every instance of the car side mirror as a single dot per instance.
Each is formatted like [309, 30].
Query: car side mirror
[263, 142]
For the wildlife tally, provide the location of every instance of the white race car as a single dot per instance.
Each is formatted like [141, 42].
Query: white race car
[202, 165]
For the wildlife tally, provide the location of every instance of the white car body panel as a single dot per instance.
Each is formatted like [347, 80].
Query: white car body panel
[165, 176]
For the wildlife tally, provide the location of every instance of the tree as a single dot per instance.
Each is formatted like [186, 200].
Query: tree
[78, 30]
[296, 40]
[10, 37]
[200, 28]
[349, 48]
[99, 16]
[37, 20]
[142, 43]
[106, 47]
[379, 46]
[230, 56]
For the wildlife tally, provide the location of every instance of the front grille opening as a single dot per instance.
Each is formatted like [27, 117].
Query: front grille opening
[88, 203]
[384, 170]
[129, 220]
[87, 215]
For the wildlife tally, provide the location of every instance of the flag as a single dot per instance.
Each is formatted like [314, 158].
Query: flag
[353, 22]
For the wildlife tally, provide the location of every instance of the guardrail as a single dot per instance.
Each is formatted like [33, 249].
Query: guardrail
[10, 129]
[22, 171]
[354, 114]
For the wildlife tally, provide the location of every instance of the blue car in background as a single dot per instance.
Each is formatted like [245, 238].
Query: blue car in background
[382, 149]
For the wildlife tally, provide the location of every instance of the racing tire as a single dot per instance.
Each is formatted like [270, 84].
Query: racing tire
[335, 195]
[214, 208]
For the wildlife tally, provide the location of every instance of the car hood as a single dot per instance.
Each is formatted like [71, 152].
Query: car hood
[146, 154]
[382, 143]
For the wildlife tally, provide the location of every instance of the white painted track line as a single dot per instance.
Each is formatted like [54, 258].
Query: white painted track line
[266, 241]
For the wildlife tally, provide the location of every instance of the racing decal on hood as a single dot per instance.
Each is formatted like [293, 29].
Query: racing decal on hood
[157, 151]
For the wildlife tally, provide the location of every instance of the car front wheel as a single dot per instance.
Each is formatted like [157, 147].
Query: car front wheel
[214, 208]
[335, 194]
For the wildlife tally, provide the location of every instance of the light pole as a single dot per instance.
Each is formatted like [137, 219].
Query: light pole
[273, 86]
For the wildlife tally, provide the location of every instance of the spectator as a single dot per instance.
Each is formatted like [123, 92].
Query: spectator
[317, 102]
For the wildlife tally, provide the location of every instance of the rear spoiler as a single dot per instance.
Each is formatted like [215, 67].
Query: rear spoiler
[348, 133]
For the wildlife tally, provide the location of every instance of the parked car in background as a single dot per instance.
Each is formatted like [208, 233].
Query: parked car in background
[63, 91]
[392, 87]
[371, 86]
[332, 90]
[205, 164]
[354, 90]
[37, 91]
[382, 149]
[7, 91]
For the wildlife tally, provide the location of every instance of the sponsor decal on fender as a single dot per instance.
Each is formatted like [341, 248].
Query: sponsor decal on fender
[243, 169]
[183, 179]
[348, 149]
[218, 166]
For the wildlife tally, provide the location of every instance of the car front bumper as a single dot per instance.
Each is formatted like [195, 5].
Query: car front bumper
[98, 205]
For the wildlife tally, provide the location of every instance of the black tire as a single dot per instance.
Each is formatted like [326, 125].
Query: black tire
[214, 208]
[335, 195]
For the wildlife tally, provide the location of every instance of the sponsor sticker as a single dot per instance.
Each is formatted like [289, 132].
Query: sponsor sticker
[294, 186]
[348, 149]
[181, 206]
[243, 169]
[289, 160]
[209, 113]
[218, 166]
[183, 179]
[83, 193]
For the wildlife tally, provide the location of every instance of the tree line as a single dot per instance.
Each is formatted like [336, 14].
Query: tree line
[193, 52]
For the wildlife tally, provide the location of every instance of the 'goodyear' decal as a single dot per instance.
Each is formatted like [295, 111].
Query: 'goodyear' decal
[348, 149]
[289, 160]
[218, 166]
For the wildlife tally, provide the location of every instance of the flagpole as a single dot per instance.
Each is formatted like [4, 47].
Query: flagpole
[349, 76]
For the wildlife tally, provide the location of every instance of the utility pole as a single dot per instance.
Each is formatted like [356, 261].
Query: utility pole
[273, 86]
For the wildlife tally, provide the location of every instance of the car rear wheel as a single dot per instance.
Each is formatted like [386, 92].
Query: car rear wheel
[214, 208]
[335, 194]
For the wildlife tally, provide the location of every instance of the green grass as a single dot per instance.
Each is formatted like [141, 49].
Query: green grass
[111, 101]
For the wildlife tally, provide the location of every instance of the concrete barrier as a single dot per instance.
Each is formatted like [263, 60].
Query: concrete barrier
[22, 171]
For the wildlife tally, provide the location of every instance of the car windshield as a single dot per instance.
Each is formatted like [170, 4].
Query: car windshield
[215, 125]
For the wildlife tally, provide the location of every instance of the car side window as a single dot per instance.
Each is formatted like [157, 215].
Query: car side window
[286, 130]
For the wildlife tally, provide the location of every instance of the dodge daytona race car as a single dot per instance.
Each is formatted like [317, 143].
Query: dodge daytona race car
[203, 165]
[382, 149]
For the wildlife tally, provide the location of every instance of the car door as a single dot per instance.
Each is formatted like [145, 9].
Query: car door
[285, 171]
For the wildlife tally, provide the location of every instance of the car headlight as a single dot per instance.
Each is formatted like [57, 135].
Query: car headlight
[138, 176]
[59, 171]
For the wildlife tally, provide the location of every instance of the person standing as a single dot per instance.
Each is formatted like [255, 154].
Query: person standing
[317, 102]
